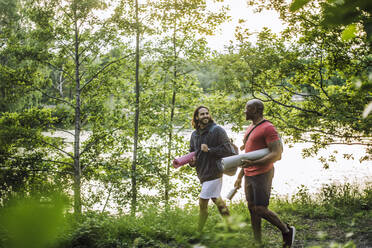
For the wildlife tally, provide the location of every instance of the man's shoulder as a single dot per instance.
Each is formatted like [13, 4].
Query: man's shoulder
[268, 127]
[264, 124]
[194, 133]
[268, 123]
[216, 128]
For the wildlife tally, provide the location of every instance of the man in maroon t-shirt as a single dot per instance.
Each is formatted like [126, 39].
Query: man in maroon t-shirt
[258, 174]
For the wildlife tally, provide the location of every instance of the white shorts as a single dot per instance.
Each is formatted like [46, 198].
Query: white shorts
[211, 189]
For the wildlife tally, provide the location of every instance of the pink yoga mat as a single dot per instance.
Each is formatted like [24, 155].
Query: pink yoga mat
[183, 160]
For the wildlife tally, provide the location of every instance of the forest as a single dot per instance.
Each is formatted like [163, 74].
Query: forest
[96, 95]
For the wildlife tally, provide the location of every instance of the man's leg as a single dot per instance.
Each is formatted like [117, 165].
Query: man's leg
[261, 190]
[288, 232]
[256, 224]
[203, 213]
[224, 211]
[221, 205]
[270, 216]
[255, 219]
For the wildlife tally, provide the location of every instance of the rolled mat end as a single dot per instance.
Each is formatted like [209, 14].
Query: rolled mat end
[178, 162]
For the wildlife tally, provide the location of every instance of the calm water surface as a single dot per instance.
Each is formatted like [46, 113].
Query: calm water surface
[293, 171]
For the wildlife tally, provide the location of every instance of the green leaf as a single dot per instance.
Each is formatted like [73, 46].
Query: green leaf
[349, 32]
[297, 4]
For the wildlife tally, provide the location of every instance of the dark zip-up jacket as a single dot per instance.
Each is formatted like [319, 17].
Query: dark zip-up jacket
[218, 144]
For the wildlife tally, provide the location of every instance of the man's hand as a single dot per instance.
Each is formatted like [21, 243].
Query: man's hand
[242, 147]
[238, 183]
[246, 163]
[204, 147]
[192, 162]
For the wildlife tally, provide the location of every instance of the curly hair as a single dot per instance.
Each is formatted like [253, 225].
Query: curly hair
[195, 122]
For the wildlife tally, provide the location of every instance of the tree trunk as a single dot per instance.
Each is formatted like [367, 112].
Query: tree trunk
[173, 104]
[136, 122]
[170, 146]
[77, 166]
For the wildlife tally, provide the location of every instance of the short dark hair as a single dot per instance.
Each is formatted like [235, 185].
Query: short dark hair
[258, 104]
[195, 122]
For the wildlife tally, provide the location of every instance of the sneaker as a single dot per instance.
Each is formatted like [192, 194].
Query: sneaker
[288, 237]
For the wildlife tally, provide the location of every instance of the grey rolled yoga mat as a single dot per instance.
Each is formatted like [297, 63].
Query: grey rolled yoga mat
[236, 160]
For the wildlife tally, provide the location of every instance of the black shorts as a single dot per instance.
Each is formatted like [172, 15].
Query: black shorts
[258, 188]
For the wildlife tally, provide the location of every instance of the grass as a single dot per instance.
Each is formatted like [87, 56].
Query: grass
[339, 216]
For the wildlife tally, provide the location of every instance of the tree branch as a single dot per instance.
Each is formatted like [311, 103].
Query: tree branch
[326, 133]
[60, 69]
[70, 53]
[57, 162]
[290, 106]
[298, 94]
[108, 197]
[65, 131]
[57, 148]
[52, 97]
[101, 70]
[90, 144]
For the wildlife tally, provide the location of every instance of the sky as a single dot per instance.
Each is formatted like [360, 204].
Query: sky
[239, 9]
[254, 22]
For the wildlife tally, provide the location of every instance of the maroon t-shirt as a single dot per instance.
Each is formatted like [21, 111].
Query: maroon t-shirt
[260, 137]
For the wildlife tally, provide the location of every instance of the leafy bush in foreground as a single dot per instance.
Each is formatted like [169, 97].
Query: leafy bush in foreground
[339, 216]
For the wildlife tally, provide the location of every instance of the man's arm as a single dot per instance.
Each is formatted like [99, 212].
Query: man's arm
[192, 149]
[238, 182]
[192, 162]
[275, 154]
[223, 144]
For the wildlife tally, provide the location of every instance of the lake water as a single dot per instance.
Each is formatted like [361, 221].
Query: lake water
[292, 170]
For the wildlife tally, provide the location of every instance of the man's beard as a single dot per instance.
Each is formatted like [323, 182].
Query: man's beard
[202, 120]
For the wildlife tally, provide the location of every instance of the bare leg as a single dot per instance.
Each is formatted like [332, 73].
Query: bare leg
[270, 216]
[256, 225]
[221, 205]
[203, 213]
[224, 211]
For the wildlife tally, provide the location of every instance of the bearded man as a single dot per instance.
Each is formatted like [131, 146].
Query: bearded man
[209, 142]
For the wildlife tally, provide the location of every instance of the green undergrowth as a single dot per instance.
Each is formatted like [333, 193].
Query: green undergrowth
[339, 216]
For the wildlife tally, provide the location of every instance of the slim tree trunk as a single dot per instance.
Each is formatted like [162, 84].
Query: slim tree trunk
[173, 104]
[170, 145]
[77, 166]
[60, 85]
[135, 145]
